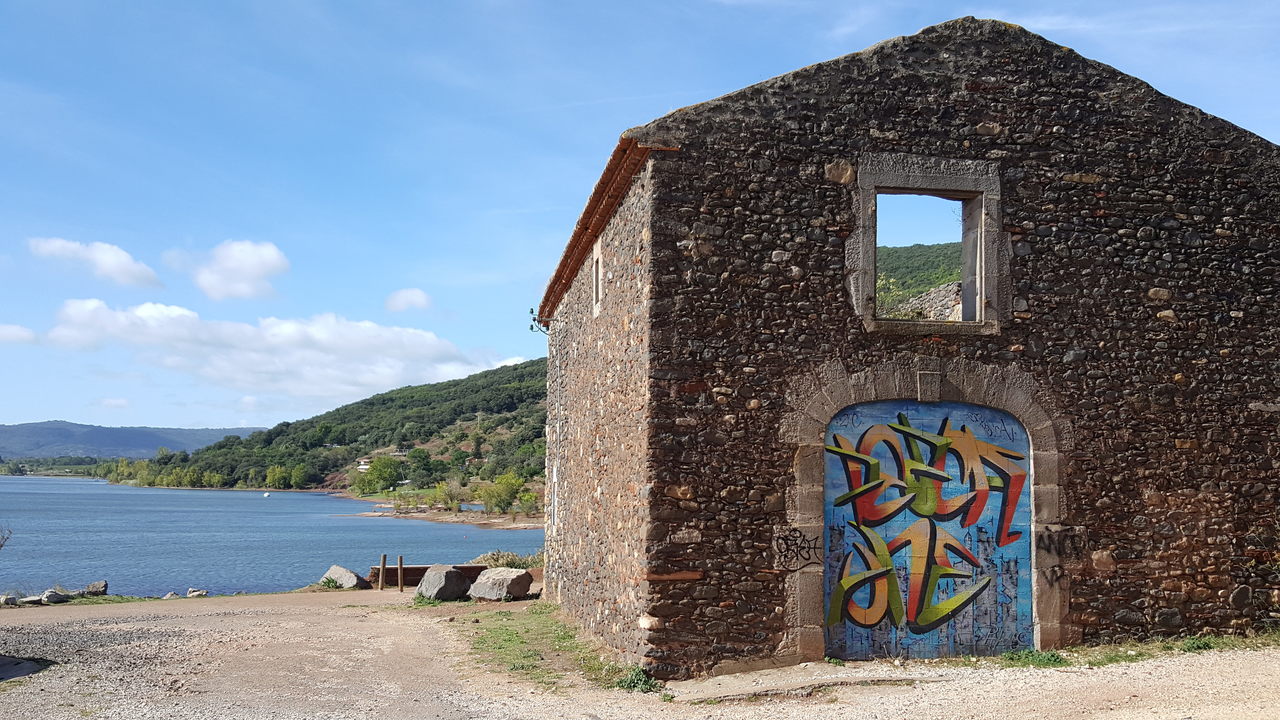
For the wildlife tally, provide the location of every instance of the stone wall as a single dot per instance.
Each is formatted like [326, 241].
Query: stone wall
[597, 429]
[1143, 278]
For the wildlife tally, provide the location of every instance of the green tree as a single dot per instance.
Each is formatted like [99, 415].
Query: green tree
[527, 503]
[299, 477]
[384, 473]
[501, 495]
[277, 477]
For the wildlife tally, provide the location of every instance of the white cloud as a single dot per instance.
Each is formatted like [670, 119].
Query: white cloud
[241, 269]
[113, 403]
[325, 356]
[407, 299]
[509, 361]
[16, 334]
[107, 261]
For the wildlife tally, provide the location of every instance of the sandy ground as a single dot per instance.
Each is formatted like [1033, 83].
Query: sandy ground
[491, 522]
[368, 655]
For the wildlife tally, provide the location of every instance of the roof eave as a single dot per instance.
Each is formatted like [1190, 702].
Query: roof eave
[625, 162]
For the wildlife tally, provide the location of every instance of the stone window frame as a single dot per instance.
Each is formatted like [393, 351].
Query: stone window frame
[976, 183]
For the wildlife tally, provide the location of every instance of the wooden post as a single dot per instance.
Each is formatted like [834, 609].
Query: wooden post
[382, 572]
[400, 571]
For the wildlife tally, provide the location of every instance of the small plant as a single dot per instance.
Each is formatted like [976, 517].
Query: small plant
[668, 697]
[329, 583]
[637, 680]
[1196, 644]
[834, 661]
[1034, 658]
[503, 558]
[424, 601]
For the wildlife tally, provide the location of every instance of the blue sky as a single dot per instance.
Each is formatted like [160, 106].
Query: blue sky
[237, 213]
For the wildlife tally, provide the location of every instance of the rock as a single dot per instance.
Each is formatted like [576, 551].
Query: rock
[345, 578]
[501, 584]
[193, 592]
[53, 597]
[1130, 617]
[30, 600]
[1169, 618]
[1104, 561]
[1240, 597]
[443, 582]
[8, 600]
[96, 588]
[171, 596]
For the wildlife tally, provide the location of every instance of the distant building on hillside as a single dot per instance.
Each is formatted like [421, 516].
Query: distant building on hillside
[760, 453]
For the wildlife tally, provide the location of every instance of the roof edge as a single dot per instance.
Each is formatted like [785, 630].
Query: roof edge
[611, 188]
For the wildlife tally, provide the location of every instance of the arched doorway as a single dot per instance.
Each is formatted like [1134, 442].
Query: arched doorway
[928, 542]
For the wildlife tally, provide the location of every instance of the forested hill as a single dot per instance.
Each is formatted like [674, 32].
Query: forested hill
[57, 438]
[495, 417]
[905, 272]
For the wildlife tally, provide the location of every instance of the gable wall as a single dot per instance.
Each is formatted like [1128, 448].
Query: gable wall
[1143, 272]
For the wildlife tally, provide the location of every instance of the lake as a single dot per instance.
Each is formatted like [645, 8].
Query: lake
[151, 541]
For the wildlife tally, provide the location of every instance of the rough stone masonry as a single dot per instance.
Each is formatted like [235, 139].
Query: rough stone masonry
[712, 323]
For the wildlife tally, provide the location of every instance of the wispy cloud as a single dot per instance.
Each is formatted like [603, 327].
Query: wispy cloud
[241, 269]
[16, 334]
[107, 261]
[113, 403]
[1135, 20]
[324, 356]
[408, 299]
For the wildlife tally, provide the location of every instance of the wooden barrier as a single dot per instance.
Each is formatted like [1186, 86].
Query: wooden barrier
[380, 575]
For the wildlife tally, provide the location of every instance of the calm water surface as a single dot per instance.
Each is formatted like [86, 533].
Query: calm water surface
[150, 541]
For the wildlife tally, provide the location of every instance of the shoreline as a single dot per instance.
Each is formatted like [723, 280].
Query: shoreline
[486, 522]
[475, 519]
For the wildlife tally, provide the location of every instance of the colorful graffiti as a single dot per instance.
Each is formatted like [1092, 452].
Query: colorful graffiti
[928, 547]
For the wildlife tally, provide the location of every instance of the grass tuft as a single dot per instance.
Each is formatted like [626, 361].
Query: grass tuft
[1034, 658]
[1197, 644]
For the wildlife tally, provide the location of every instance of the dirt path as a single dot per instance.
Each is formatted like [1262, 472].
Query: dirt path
[330, 656]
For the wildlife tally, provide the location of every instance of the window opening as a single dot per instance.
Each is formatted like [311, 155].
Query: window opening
[595, 282]
[926, 257]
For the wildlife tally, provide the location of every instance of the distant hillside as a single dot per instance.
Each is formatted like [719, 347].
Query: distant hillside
[488, 424]
[58, 438]
[903, 273]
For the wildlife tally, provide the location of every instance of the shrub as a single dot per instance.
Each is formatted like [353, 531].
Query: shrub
[502, 558]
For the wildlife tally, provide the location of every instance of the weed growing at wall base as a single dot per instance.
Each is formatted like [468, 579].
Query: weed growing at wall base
[1033, 658]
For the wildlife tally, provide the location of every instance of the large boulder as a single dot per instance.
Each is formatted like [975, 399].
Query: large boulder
[443, 582]
[30, 600]
[96, 588]
[196, 592]
[501, 584]
[8, 600]
[345, 578]
[53, 597]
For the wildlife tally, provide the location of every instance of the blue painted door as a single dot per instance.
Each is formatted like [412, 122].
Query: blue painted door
[928, 531]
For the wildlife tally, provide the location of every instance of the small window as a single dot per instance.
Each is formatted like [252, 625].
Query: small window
[929, 256]
[921, 272]
[597, 284]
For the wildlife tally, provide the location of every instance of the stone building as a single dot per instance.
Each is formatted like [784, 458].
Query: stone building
[751, 465]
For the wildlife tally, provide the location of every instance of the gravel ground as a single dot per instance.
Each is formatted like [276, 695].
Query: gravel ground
[334, 656]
